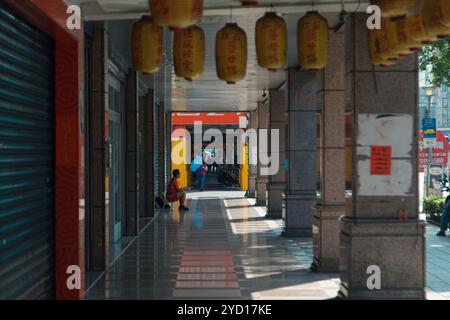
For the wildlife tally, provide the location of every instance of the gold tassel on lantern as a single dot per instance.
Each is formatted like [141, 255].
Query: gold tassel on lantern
[189, 52]
[231, 53]
[432, 19]
[313, 41]
[396, 8]
[271, 41]
[175, 13]
[147, 45]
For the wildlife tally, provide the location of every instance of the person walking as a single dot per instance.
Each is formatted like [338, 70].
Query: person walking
[201, 174]
[444, 218]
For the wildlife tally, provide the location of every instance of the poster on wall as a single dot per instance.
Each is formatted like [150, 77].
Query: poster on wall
[383, 151]
[435, 177]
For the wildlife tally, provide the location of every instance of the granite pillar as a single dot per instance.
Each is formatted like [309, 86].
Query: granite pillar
[132, 100]
[168, 146]
[261, 179]
[99, 222]
[331, 204]
[149, 154]
[301, 186]
[381, 234]
[277, 182]
[161, 146]
[253, 169]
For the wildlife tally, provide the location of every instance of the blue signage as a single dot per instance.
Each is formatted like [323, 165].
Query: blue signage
[429, 128]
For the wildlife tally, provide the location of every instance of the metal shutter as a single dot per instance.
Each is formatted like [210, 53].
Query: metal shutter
[26, 161]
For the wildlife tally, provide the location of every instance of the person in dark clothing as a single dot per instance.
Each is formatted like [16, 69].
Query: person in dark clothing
[201, 173]
[444, 218]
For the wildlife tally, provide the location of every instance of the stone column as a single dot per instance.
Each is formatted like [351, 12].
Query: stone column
[149, 154]
[331, 205]
[161, 146]
[277, 182]
[262, 180]
[99, 244]
[132, 219]
[168, 144]
[253, 169]
[382, 236]
[301, 187]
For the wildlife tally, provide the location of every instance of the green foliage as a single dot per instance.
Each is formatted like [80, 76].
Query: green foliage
[433, 205]
[437, 58]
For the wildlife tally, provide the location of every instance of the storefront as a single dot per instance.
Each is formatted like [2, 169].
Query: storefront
[27, 152]
[41, 143]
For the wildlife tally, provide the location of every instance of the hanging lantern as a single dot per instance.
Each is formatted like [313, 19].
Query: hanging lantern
[376, 47]
[445, 12]
[432, 19]
[380, 44]
[147, 45]
[397, 37]
[271, 41]
[388, 40]
[405, 42]
[390, 28]
[231, 53]
[397, 8]
[177, 14]
[418, 31]
[189, 52]
[313, 41]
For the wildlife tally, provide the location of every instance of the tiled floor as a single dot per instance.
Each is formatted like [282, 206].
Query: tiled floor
[438, 265]
[224, 248]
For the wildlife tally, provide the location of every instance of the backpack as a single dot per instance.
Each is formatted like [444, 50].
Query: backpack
[159, 204]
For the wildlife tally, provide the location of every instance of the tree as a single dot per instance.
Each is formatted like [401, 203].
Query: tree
[436, 59]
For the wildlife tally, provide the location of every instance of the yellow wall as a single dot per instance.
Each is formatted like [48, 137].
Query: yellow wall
[243, 171]
[176, 145]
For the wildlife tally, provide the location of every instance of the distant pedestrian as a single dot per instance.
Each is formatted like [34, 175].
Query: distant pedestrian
[444, 218]
[201, 174]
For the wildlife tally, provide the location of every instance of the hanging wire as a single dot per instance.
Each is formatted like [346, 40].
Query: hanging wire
[359, 6]
[231, 14]
[343, 15]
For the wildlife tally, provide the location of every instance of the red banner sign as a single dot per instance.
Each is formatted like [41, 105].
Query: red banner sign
[380, 160]
[439, 151]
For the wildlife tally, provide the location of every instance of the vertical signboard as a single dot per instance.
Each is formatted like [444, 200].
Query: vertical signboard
[429, 132]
